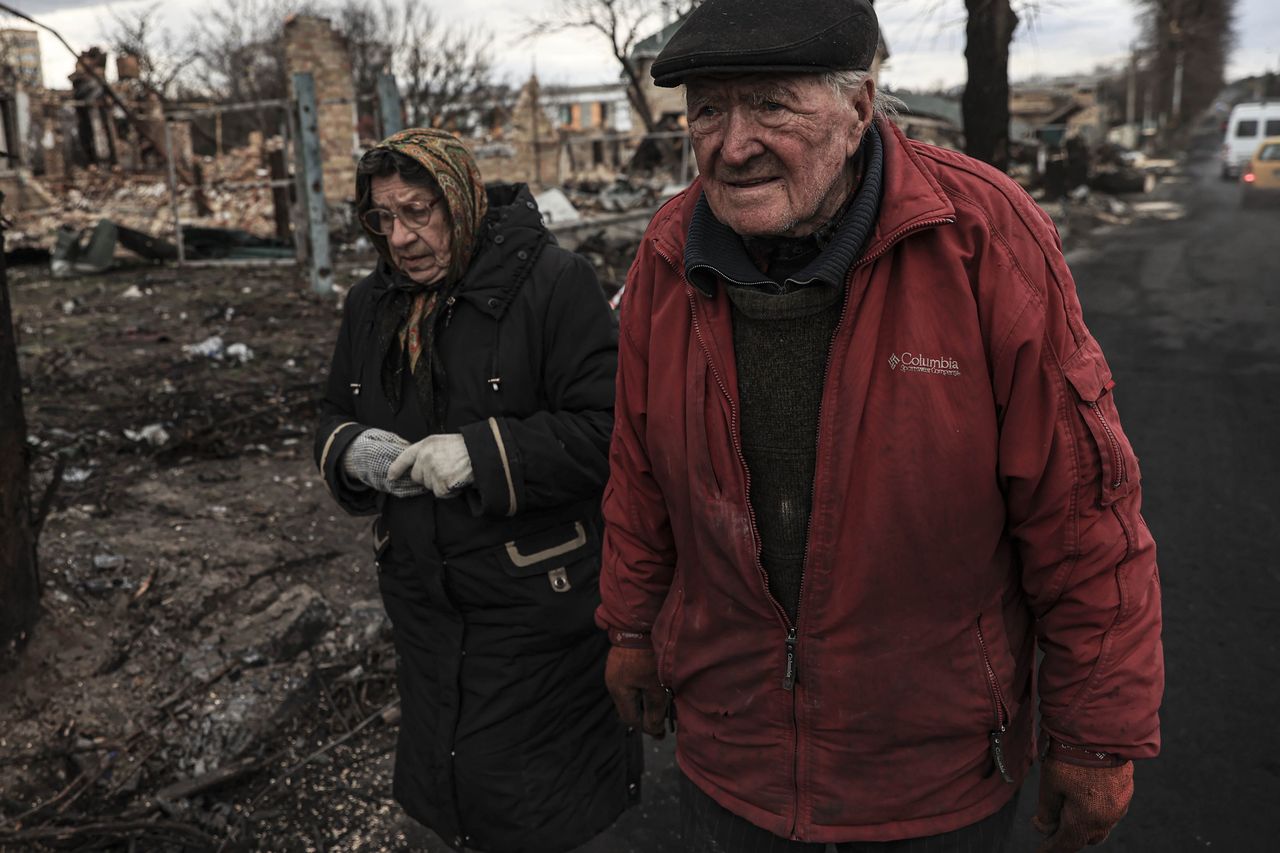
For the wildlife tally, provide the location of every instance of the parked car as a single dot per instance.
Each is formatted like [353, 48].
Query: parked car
[1261, 178]
[1246, 127]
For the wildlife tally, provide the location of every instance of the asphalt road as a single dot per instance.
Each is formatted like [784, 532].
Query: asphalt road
[1188, 313]
[1187, 309]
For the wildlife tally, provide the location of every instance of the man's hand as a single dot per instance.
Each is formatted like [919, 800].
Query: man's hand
[438, 462]
[632, 678]
[368, 457]
[1079, 806]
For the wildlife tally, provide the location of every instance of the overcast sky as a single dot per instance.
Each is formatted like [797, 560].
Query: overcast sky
[927, 47]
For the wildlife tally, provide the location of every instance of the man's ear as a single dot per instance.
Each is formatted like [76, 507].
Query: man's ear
[862, 100]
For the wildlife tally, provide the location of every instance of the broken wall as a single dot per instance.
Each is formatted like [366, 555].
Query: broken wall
[312, 45]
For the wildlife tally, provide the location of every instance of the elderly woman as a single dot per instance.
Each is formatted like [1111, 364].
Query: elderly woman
[469, 407]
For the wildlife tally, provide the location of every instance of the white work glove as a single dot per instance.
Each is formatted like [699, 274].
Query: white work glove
[439, 462]
[368, 457]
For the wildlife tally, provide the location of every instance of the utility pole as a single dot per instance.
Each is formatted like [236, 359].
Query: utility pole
[535, 106]
[1177, 88]
[1131, 103]
[19, 579]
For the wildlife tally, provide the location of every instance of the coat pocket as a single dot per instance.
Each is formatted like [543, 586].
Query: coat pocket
[540, 584]
[993, 662]
[1090, 377]
[666, 628]
[548, 553]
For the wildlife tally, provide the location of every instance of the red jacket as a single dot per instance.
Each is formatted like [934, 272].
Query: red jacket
[974, 490]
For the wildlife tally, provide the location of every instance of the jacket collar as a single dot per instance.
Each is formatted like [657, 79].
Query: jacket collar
[912, 199]
[713, 251]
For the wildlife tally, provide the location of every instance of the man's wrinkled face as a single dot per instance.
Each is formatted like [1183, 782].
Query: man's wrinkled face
[775, 151]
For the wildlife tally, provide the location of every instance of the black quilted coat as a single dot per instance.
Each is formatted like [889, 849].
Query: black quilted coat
[508, 741]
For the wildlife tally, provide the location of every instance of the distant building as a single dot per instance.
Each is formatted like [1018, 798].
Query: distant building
[1060, 109]
[935, 119]
[663, 103]
[20, 56]
[602, 108]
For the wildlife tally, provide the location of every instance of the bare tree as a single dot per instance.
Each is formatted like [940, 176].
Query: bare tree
[624, 24]
[162, 55]
[1189, 41]
[443, 72]
[241, 48]
[240, 57]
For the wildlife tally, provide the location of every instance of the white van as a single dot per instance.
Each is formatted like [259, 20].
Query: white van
[1247, 126]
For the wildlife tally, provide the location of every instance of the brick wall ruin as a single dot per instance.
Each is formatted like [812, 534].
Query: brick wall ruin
[313, 45]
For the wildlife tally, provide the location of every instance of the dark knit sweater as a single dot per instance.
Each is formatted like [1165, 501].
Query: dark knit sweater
[783, 322]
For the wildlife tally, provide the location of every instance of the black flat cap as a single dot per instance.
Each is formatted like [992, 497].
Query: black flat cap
[751, 36]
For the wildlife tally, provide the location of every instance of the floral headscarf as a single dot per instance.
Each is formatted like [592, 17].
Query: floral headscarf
[456, 173]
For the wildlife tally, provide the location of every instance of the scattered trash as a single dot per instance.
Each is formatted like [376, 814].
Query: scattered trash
[240, 353]
[556, 207]
[108, 562]
[132, 292]
[621, 196]
[154, 434]
[103, 586]
[211, 347]
[76, 475]
[73, 253]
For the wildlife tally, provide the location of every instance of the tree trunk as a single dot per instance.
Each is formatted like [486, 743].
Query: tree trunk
[19, 582]
[636, 95]
[985, 104]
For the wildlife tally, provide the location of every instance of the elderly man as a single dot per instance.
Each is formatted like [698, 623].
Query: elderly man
[866, 454]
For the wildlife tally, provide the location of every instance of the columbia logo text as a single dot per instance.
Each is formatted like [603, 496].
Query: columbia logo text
[909, 362]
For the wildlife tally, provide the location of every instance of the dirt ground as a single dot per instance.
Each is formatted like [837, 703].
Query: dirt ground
[211, 670]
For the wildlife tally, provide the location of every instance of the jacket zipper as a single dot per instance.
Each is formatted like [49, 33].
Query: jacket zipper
[998, 707]
[910, 228]
[1114, 444]
[790, 669]
[790, 652]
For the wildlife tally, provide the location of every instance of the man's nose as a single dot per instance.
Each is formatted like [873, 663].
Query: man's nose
[741, 139]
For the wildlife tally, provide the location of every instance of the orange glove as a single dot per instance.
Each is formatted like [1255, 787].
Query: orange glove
[1079, 805]
[632, 678]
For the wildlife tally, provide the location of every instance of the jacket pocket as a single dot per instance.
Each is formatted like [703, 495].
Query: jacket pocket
[543, 584]
[1001, 711]
[548, 554]
[1000, 715]
[1090, 377]
[666, 628]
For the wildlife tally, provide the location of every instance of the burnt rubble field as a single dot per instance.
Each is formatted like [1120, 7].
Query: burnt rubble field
[212, 669]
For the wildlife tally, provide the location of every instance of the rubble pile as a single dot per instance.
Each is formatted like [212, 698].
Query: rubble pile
[230, 191]
[213, 665]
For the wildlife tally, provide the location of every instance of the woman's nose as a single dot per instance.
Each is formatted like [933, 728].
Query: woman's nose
[400, 235]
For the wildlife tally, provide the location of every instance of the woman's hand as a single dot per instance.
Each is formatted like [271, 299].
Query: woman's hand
[438, 462]
[368, 458]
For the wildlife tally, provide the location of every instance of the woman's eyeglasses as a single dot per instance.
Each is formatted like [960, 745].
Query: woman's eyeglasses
[413, 216]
